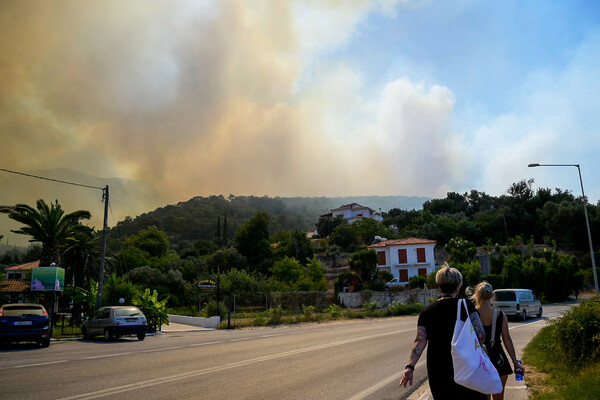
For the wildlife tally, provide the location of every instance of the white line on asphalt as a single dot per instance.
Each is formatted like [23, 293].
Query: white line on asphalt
[275, 334]
[190, 374]
[38, 364]
[207, 343]
[516, 387]
[381, 384]
[108, 355]
[240, 339]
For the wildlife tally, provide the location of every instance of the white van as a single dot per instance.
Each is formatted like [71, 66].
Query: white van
[517, 303]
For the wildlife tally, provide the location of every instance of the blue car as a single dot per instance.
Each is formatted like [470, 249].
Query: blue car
[25, 322]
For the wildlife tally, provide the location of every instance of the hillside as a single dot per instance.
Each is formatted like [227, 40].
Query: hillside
[198, 217]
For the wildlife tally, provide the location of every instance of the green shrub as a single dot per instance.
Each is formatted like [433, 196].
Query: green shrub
[334, 311]
[275, 315]
[308, 312]
[577, 332]
[369, 307]
[259, 321]
[211, 309]
[417, 282]
[398, 308]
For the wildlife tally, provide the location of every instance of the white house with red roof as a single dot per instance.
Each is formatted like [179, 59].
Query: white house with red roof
[353, 212]
[405, 258]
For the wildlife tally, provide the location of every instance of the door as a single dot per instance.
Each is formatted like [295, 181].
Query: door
[423, 272]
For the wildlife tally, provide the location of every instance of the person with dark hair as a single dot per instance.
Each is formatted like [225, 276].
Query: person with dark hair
[435, 328]
[495, 333]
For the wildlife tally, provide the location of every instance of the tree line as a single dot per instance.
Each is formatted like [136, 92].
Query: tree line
[170, 249]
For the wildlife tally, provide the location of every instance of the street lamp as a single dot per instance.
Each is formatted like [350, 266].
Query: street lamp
[587, 218]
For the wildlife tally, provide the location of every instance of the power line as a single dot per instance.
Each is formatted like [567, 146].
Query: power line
[50, 179]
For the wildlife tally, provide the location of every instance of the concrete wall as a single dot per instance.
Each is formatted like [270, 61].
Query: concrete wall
[211, 322]
[384, 299]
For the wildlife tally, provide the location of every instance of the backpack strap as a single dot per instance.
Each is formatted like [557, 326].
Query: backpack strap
[493, 338]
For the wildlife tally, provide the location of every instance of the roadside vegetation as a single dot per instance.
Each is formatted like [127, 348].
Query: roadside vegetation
[566, 356]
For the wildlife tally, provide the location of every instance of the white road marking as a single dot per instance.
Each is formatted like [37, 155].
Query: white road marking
[38, 364]
[275, 334]
[204, 344]
[381, 384]
[109, 355]
[240, 339]
[190, 374]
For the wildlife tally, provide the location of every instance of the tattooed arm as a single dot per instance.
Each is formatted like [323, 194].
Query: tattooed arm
[415, 354]
[478, 326]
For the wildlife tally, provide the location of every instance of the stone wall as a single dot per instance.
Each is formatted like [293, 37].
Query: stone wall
[384, 299]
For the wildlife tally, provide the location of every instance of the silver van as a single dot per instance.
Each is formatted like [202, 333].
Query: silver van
[517, 303]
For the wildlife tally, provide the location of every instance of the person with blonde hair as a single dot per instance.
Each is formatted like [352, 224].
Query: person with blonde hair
[495, 333]
[436, 328]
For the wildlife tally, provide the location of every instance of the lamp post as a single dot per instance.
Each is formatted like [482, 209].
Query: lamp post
[587, 218]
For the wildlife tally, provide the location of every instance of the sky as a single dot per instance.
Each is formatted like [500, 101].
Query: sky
[301, 98]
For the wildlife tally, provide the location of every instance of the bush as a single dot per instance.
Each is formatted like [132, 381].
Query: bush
[398, 308]
[577, 333]
[275, 315]
[211, 310]
[308, 312]
[334, 311]
[369, 307]
[417, 282]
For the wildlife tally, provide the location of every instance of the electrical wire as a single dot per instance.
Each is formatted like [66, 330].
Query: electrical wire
[50, 179]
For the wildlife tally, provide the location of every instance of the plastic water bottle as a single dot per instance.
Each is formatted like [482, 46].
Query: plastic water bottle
[519, 373]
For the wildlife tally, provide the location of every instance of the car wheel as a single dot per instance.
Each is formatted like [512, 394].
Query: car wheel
[108, 336]
[44, 342]
[84, 333]
[540, 313]
[524, 315]
[141, 336]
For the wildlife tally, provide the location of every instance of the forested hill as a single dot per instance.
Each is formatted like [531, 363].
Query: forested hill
[199, 217]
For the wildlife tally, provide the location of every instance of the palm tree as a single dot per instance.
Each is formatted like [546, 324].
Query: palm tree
[47, 224]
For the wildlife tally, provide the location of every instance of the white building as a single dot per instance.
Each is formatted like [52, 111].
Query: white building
[353, 212]
[405, 258]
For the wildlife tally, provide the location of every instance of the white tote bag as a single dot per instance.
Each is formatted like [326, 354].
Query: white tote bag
[472, 366]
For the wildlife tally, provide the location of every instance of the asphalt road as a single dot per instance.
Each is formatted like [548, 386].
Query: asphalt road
[356, 360]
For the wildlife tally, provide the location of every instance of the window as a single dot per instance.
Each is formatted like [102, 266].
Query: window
[402, 257]
[423, 272]
[403, 275]
[421, 255]
[14, 275]
[381, 258]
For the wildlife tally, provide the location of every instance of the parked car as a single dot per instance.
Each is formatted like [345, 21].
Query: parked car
[25, 322]
[394, 283]
[517, 303]
[115, 321]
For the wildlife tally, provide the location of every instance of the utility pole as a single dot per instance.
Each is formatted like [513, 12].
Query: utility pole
[105, 197]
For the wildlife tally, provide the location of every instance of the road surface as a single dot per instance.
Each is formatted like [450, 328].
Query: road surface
[352, 360]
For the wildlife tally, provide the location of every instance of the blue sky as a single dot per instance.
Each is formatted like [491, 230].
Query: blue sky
[303, 98]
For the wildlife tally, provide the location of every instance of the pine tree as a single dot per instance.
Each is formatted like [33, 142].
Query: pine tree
[218, 233]
[225, 233]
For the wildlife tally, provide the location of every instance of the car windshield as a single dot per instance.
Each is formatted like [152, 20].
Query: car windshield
[22, 311]
[127, 312]
[505, 296]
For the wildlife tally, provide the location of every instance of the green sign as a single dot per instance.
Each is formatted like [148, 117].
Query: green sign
[48, 279]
